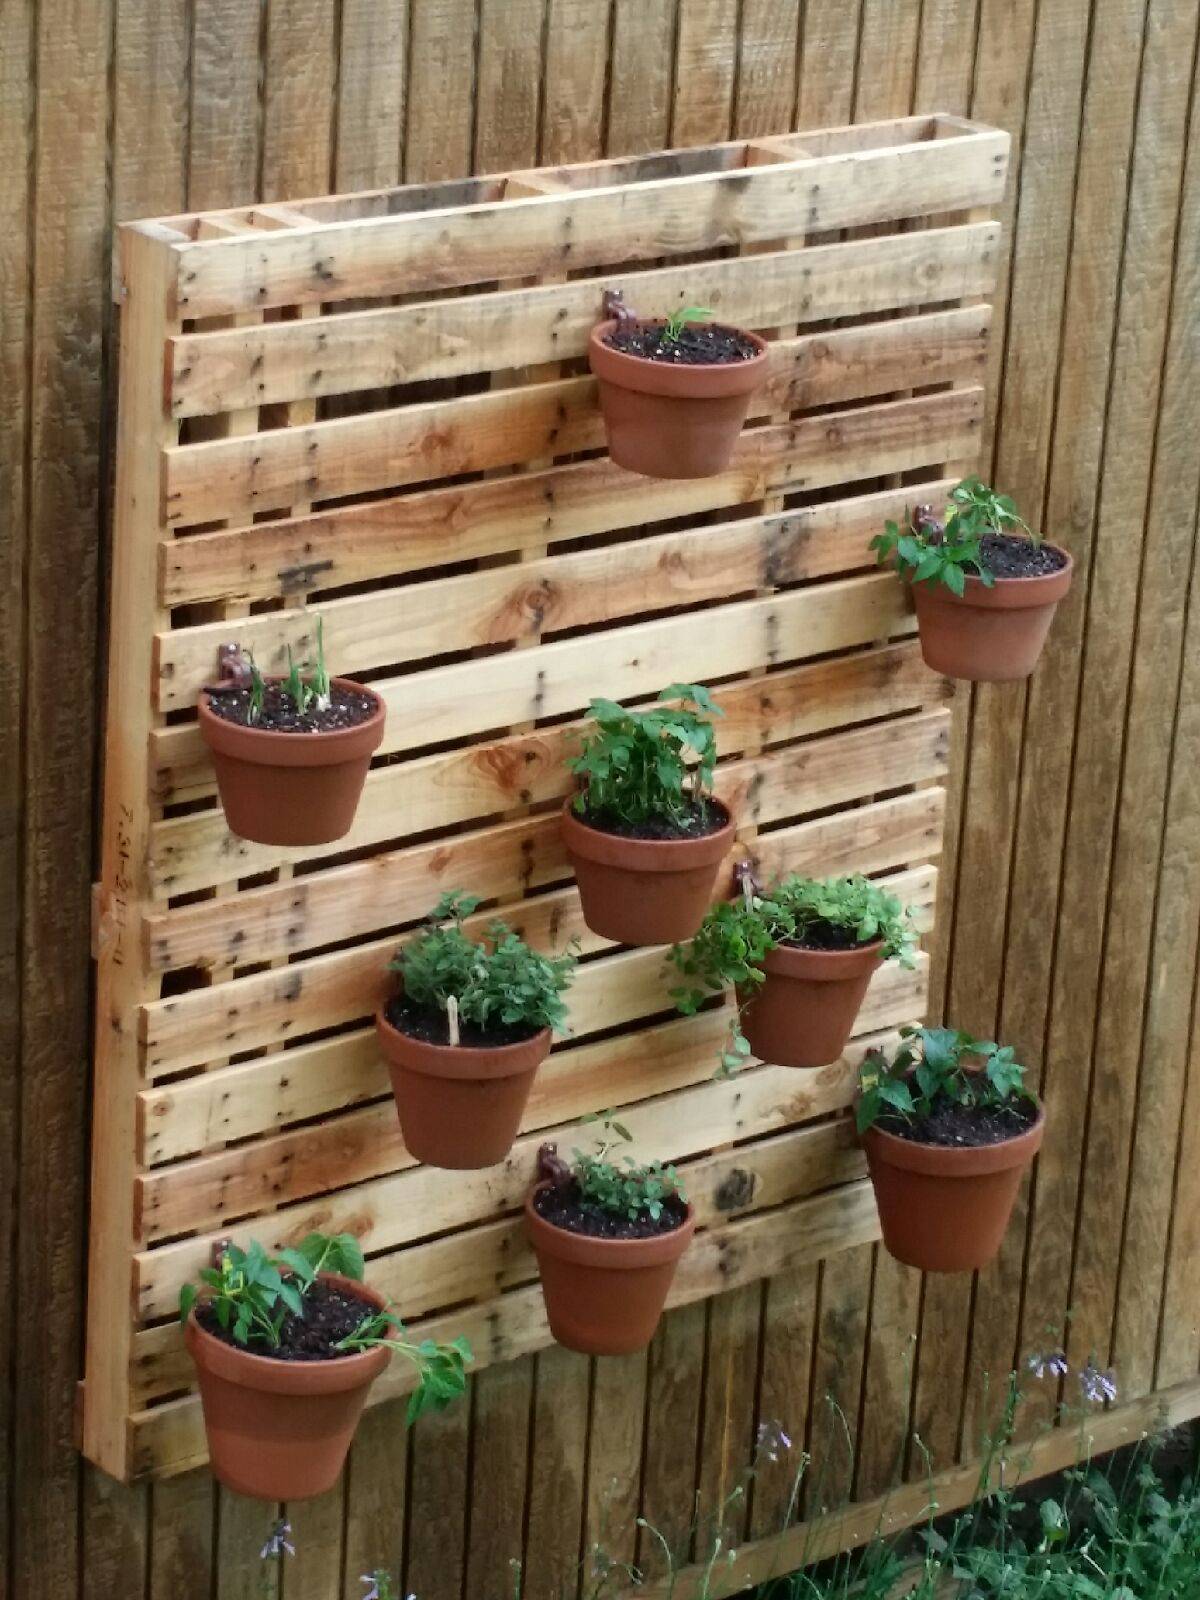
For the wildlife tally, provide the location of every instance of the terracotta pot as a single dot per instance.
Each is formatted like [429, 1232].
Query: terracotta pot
[291, 788]
[669, 421]
[644, 891]
[802, 1014]
[604, 1296]
[280, 1430]
[992, 634]
[459, 1107]
[946, 1210]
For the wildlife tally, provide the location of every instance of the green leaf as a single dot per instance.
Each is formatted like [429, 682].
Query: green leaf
[954, 579]
[187, 1299]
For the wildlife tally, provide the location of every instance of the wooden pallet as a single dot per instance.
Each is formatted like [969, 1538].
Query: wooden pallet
[374, 409]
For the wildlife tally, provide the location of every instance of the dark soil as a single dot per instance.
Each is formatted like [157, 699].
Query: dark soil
[825, 936]
[700, 344]
[563, 1208]
[706, 817]
[279, 714]
[1005, 555]
[431, 1026]
[330, 1314]
[953, 1125]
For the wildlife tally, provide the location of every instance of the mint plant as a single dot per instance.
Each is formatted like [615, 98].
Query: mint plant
[678, 321]
[252, 1294]
[736, 936]
[935, 1067]
[948, 550]
[626, 1188]
[498, 981]
[636, 765]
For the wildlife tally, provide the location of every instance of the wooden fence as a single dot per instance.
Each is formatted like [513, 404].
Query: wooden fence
[1070, 891]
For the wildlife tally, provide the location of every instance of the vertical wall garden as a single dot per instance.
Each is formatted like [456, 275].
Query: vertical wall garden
[523, 781]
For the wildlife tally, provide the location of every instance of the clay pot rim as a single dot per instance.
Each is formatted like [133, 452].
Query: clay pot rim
[268, 747]
[713, 380]
[583, 1250]
[460, 1061]
[1005, 594]
[972, 1161]
[269, 1375]
[646, 855]
[823, 966]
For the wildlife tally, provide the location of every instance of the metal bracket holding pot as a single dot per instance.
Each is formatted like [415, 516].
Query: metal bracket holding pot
[615, 309]
[233, 667]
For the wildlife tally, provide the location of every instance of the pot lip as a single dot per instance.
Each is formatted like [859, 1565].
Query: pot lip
[269, 1375]
[235, 737]
[646, 855]
[970, 1161]
[1004, 594]
[697, 380]
[459, 1061]
[585, 1250]
[790, 961]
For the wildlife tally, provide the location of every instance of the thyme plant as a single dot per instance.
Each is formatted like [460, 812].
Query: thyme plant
[736, 936]
[948, 550]
[657, 763]
[624, 1188]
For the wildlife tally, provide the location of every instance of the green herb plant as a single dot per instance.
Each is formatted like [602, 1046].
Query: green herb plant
[736, 936]
[678, 320]
[494, 982]
[657, 763]
[934, 1067]
[625, 1188]
[252, 1294]
[947, 550]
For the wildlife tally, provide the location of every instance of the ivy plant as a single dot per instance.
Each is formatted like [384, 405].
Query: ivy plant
[935, 1067]
[497, 981]
[657, 763]
[624, 1188]
[252, 1294]
[736, 936]
[948, 549]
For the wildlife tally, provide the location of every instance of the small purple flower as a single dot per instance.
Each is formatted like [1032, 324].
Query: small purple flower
[1096, 1385]
[371, 1579]
[1053, 1362]
[278, 1544]
[772, 1440]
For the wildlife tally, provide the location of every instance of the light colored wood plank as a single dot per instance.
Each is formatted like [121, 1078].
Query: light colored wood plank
[525, 237]
[170, 1437]
[298, 97]
[509, 57]
[270, 361]
[534, 422]
[195, 851]
[181, 1118]
[577, 50]
[121, 981]
[444, 703]
[224, 128]
[768, 57]
[559, 1430]
[501, 862]
[838, 1370]
[552, 594]
[705, 60]
[640, 78]
[829, 44]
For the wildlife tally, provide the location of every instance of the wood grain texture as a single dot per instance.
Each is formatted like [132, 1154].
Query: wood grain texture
[205, 71]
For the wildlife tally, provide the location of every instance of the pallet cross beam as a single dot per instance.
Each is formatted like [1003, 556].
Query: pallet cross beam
[374, 409]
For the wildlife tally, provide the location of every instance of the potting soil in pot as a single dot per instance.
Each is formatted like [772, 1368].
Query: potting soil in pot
[706, 816]
[331, 1314]
[431, 1026]
[562, 1208]
[279, 712]
[952, 1126]
[1005, 555]
[698, 344]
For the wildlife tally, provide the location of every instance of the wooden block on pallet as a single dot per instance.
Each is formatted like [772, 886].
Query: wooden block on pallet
[376, 413]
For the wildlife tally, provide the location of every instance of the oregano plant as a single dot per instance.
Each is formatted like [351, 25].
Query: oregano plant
[948, 549]
[495, 981]
[657, 763]
[624, 1188]
[736, 936]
